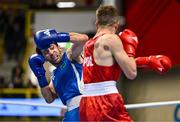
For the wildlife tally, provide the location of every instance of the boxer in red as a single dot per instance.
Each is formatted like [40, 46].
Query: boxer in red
[106, 55]
[104, 59]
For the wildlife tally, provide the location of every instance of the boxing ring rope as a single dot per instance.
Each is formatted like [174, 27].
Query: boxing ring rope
[128, 106]
[31, 104]
[151, 104]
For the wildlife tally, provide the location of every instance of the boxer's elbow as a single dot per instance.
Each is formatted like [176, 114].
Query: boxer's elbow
[48, 95]
[132, 74]
[85, 37]
[133, 70]
[50, 100]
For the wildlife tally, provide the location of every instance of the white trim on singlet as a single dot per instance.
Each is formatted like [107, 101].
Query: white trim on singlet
[100, 88]
[79, 82]
[73, 102]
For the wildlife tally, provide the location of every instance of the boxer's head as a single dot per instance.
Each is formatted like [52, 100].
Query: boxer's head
[107, 16]
[53, 54]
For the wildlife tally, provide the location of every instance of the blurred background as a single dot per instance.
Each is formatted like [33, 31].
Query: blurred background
[156, 23]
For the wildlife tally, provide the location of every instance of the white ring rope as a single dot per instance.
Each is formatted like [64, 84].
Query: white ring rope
[31, 104]
[129, 106]
[152, 104]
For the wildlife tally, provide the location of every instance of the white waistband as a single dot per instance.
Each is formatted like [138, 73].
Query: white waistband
[101, 88]
[73, 102]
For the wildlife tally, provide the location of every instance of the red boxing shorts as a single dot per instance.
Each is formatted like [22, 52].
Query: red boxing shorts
[102, 102]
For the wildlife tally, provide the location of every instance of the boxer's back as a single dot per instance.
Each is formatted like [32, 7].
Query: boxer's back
[99, 64]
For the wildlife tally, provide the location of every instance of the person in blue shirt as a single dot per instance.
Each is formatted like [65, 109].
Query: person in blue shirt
[66, 80]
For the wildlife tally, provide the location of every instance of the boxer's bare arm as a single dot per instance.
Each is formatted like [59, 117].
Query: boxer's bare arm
[126, 63]
[78, 41]
[48, 93]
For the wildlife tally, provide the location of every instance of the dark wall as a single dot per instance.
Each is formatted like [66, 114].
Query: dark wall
[157, 23]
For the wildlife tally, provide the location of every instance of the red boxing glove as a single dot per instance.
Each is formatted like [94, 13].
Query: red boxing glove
[130, 42]
[159, 63]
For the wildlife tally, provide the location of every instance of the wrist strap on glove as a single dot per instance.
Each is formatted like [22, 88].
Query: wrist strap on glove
[42, 81]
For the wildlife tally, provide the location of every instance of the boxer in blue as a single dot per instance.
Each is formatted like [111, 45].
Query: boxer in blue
[66, 78]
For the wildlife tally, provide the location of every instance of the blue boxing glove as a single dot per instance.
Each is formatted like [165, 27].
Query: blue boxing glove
[44, 38]
[36, 64]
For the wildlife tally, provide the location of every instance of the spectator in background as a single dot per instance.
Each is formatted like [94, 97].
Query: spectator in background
[17, 75]
[30, 84]
[9, 36]
[15, 42]
[19, 33]
[3, 83]
[3, 20]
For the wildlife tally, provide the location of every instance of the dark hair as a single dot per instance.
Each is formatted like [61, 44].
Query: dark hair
[107, 15]
[38, 51]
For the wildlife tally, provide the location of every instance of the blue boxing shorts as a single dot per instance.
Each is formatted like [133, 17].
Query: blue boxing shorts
[73, 109]
[72, 115]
